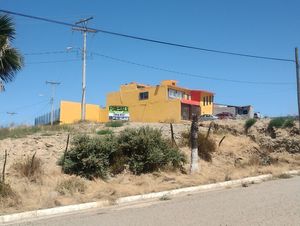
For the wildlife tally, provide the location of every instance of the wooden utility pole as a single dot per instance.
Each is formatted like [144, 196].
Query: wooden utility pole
[84, 30]
[194, 145]
[298, 82]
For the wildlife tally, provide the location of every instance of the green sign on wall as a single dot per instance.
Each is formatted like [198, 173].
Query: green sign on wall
[118, 113]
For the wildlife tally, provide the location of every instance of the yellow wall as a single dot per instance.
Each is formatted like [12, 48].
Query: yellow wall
[206, 108]
[156, 108]
[70, 112]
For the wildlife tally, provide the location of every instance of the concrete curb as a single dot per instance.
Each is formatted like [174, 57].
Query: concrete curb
[125, 200]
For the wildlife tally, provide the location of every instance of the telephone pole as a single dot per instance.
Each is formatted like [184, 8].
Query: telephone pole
[53, 86]
[84, 31]
[298, 82]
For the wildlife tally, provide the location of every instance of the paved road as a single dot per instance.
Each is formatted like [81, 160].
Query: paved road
[270, 203]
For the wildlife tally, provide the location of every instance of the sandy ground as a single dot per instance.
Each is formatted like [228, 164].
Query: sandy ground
[232, 160]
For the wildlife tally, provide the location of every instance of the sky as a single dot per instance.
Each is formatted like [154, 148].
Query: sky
[267, 28]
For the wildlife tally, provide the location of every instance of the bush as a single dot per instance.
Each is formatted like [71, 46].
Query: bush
[31, 168]
[146, 150]
[114, 124]
[276, 123]
[143, 150]
[288, 123]
[104, 132]
[71, 186]
[248, 124]
[89, 157]
[206, 146]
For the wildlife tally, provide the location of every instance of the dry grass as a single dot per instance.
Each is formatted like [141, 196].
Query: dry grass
[58, 189]
[8, 197]
[30, 167]
[71, 185]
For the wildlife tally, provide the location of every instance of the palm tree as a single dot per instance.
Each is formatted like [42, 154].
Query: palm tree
[11, 61]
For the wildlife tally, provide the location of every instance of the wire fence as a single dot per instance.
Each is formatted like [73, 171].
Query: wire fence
[46, 118]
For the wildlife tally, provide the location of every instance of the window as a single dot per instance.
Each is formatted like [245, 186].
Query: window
[175, 94]
[144, 95]
[203, 101]
[210, 100]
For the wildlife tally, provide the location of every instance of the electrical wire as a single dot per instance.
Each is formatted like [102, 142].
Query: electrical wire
[148, 39]
[50, 52]
[53, 61]
[189, 74]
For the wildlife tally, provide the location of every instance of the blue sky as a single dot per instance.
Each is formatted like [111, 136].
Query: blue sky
[269, 27]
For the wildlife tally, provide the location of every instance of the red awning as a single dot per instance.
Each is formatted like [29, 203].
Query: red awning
[191, 102]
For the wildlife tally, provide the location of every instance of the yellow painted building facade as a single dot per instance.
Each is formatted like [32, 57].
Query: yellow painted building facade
[166, 102]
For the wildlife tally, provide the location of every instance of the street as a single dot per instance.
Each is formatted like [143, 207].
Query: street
[275, 202]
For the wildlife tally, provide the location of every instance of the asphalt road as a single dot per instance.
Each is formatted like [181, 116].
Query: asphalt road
[274, 202]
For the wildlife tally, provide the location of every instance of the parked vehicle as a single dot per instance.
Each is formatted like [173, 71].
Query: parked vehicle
[207, 117]
[225, 115]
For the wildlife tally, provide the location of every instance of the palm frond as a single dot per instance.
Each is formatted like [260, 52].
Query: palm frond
[11, 62]
[7, 27]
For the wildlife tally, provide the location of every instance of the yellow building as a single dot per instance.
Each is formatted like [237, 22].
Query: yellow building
[166, 102]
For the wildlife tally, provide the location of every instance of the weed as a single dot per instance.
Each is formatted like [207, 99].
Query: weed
[206, 145]
[8, 197]
[31, 168]
[104, 132]
[284, 176]
[114, 124]
[165, 198]
[71, 186]
[244, 185]
[227, 178]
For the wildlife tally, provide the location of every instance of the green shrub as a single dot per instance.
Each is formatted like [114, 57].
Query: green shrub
[143, 150]
[71, 186]
[206, 146]
[288, 123]
[114, 124]
[104, 132]
[89, 157]
[248, 124]
[146, 150]
[276, 123]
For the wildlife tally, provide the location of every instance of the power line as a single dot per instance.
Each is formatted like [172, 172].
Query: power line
[27, 106]
[189, 74]
[53, 61]
[50, 52]
[150, 40]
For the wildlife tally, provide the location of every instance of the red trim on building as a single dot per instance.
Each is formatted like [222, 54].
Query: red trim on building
[190, 102]
[195, 95]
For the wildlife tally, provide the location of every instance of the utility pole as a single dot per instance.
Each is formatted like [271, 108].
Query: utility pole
[298, 82]
[53, 85]
[194, 145]
[84, 30]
